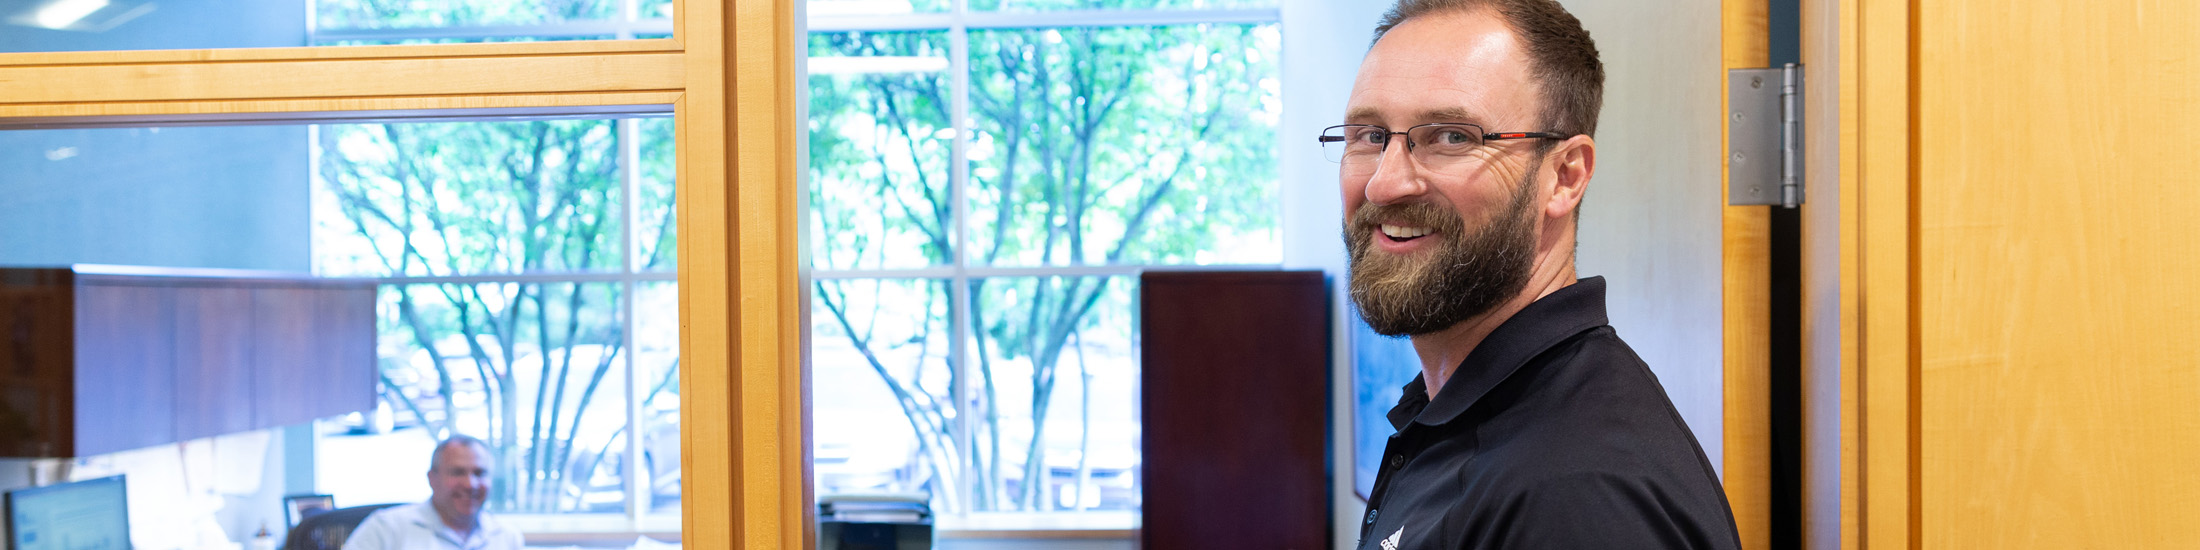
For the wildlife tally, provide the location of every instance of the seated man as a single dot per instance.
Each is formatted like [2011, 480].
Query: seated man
[458, 472]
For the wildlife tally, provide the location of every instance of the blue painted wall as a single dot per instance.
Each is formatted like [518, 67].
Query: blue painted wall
[170, 25]
[233, 197]
[176, 197]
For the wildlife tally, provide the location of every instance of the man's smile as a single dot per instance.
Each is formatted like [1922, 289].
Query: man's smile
[1402, 233]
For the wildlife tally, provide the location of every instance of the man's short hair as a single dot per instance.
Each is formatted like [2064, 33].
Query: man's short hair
[435, 459]
[1561, 58]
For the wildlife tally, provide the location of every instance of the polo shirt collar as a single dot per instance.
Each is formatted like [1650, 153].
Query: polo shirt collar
[1542, 325]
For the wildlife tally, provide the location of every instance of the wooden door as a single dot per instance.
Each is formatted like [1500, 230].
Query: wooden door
[2014, 315]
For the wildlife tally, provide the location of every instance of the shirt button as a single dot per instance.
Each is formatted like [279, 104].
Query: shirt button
[1371, 516]
[1397, 460]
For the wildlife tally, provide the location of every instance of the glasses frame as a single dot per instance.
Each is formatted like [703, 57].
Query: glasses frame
[1487, 136]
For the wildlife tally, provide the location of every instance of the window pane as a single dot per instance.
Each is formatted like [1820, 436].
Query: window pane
[50, 26]
[883, 409]
[467, 198]
[324, 40]
[1152, 145]
[218, 197]
[1059, 363]
[533, 369]
[32, 26]
[1045, 5]
[390, 14]
[879, 150]
[657, 376]
[873, 7]
[656, 224]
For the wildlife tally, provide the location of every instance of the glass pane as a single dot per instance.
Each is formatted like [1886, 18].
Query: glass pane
[536, 370]
[99, 25]
[1151, 145]
[467, 198]
[883, 408]
[657, 376]
[655, 223]
[879, 150]
[94, 25]
[830, 8]
[1046, 5]
[389, 14]
[325, 40]
[211, 197]
[1059, 363]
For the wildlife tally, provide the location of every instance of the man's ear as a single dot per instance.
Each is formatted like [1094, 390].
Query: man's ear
[1574, 161]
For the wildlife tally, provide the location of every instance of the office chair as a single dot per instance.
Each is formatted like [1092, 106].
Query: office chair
[327, 530]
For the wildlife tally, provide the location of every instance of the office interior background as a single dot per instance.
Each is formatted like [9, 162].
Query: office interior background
[981, 181]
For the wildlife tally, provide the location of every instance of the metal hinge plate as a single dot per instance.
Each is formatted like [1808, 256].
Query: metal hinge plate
[1765, 136]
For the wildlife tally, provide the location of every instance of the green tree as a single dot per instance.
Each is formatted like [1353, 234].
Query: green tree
[1089, 146]
[458, 199]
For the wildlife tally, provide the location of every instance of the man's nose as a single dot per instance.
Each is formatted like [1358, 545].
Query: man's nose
[1396, 177]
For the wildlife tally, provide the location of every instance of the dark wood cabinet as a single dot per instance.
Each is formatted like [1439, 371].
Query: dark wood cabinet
[98, 360]
[125, 367]
[1235, 389]
[214, 368]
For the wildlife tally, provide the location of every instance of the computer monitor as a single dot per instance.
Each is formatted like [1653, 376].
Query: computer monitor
[86, 515]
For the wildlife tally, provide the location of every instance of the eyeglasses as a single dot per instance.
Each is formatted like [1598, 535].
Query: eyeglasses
[1436, 146]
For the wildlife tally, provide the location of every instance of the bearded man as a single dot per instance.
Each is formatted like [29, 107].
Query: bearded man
[451, 519]
[1466, 152]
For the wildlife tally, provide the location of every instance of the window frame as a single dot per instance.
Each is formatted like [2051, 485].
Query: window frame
[726, 71]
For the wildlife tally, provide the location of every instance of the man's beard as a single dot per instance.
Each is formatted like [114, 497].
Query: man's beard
[1468, 276]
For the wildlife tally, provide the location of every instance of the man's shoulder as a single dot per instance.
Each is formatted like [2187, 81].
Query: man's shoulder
[385, 526]
[1592, 378]
[1591, 410]
[396, 515]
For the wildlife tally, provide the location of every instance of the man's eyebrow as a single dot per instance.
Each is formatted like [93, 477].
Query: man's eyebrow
[1369, 115]
[1451, 114]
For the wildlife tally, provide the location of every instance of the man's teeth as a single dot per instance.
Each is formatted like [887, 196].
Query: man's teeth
[1403, 232]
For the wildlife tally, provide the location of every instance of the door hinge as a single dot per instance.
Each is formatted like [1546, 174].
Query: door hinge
[1765, 136]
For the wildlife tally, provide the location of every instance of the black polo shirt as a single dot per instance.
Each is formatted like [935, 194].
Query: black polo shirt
[1552, 434]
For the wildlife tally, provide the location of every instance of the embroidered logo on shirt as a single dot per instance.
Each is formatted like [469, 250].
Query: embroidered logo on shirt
[1392, 542]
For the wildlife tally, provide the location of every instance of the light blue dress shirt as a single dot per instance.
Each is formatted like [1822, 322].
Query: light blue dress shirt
[417, 527]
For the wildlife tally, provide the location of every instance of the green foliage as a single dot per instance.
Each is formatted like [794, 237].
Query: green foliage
[532, 368]
[656, 215]
[458, 199]
[1122, 145]
[1147, 146]
[879, 151]
[396, 14]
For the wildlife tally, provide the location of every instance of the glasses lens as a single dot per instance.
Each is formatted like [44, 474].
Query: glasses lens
[1357, 143]
[1440, 145]
[1335, 140]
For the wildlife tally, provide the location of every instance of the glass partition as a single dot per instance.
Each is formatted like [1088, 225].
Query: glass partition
[108, 25]
[527, 287]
